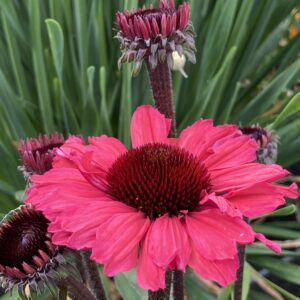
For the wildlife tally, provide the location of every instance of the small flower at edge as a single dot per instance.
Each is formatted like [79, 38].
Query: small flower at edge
[37, 153]
[28, 258]
[267, 143]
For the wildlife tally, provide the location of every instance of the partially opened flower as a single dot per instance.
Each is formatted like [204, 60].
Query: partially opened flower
[27, 255]
[267, 142]
[165, 203]
[37, 153]
[153, 34]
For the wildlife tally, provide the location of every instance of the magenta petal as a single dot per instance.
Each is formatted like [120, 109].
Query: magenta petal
[233, 152]
[117, 241]
[193, 137]
[270, 244]
[243, 176]
[221, 271]
[148, 125]
[215, 234]
[261, 198]
[223, 204]
[168, 242]
[149, 275]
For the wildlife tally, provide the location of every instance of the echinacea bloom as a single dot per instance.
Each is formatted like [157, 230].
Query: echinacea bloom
[27, 255]
[165, 203]
[155, 33]
[37, 153]
[267, 143]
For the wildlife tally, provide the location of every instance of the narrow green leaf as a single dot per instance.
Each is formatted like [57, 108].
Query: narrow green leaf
[279, 268]
[284, 211]
[276, 231]
[128, 288]
[269, 95]
[291, 108]
[226, 293]
[104, 114]
[283, 292]
[246, 282]
[40, 71]
[57, 44]
[194, 288]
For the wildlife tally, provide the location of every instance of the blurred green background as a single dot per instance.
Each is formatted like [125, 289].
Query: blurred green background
[58, 72]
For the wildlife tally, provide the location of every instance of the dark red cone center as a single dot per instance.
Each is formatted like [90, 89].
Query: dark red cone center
[158, 179]
[22, 237]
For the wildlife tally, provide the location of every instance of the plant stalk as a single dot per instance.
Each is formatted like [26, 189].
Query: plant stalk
[161, 84]
[238, 285]
[76, 289]
[178, 289]
[92, 277]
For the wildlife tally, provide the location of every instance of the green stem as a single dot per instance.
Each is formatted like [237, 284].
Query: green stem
[92, 277]
[76, 289]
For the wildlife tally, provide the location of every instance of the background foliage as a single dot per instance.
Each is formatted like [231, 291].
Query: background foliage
[58, 72]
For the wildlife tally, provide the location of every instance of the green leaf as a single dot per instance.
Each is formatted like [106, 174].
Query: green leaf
[246, 282]
[284, 211]
[57, 44]
[279, 268]
[269, 95]
[276, 231]
[283, 292]
[291, 108]
[128, 287]
[226, 293]
[194, 288]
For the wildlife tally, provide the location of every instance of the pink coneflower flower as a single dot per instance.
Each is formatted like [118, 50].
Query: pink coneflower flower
[27, 255]
[165, 203]
[155, 33]
[267, 142]
[37, 154]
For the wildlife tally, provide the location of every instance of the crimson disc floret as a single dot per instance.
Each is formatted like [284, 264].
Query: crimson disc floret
[158, 179]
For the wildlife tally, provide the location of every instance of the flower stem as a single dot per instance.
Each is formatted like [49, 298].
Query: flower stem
[76, 289]
[178, 290]
[238, 285]
[92, 277]
[162, 294]
[161, 84]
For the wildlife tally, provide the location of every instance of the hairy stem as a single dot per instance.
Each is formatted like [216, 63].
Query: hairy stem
[178, 290]
[238, 286]
[92, 277]
[162, 294]
[161, 84]
[76, 289]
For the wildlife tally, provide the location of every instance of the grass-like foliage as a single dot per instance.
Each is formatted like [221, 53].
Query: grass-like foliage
[58, 72]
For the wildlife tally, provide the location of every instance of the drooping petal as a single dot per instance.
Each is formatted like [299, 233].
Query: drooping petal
[233, 152]
[239, 177]
[148, 125]
[221, 271]
[223, 204]
[116, 245]
[261, 198]
[270, 244]
[149, 275]
[168, 242]
[215, 234]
